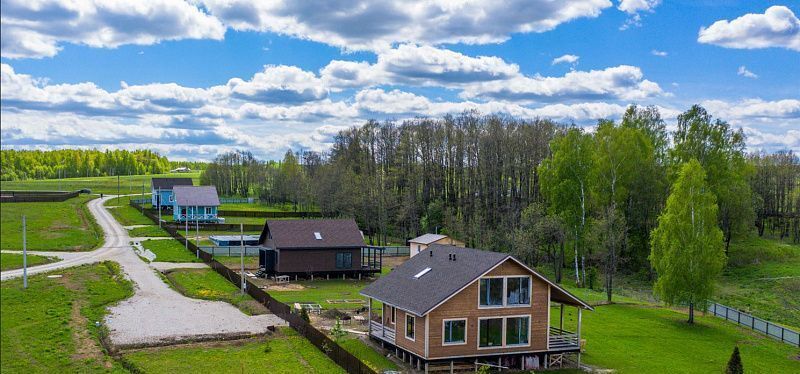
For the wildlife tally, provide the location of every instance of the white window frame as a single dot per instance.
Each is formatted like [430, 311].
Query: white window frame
[209, 211]
[503, 341]
[393, 319]
[466, 327]
[414, 327]
[505, 292]
[171, 198]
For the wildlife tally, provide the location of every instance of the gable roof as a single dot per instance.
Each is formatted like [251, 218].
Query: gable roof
[446, 278]
[169, 183]
[427, 238]
[302, 233]
[196, 195]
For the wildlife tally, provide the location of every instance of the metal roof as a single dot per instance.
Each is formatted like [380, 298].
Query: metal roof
[196, 195]
[427, 238]
[302, 233]
[169, 183]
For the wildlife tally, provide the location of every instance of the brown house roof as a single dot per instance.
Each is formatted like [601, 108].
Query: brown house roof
[196, 195]
[296, 234]
[168, 183]
[445, 279]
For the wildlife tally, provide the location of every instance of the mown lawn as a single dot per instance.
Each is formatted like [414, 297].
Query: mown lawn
[207, 284]
[642, 338]
[10, 261]
[147, 231]
[125, 214]
[169, 250]
[107, 185]
[49, 328]
[258, 207]
[234, 262]
[285, 352]
[320, 290]
[368, 355]
[51, 226]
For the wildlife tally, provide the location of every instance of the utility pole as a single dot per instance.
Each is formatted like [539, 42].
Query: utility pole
[241, 250]
[186, 235]
[117, 187]
[142, 200]
[197, 236]
[24, 254]
[158, 200]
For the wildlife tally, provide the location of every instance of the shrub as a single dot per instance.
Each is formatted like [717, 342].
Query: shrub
[304, 315]
[735, 363]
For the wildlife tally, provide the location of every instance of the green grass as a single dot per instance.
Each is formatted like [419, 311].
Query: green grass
[372, 358]
[107, 185]
[51, 226]
[285, 352]
[234, 262]
[49, 328]
[169, 250]
[649, 339]
[257, 207]
[207, 284]
[147, 231]
[125, 214]
[10, 261]
[318, 291]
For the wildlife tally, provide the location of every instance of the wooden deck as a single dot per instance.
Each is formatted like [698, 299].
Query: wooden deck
[562, 340]
[376, 329]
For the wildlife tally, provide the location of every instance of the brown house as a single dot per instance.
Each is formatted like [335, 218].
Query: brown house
[422, 242]
[456, 306]
[316, 247]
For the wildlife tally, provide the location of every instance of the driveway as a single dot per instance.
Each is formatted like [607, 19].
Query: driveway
[155, 314]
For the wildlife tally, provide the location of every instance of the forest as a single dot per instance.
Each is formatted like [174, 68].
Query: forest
[549, 193]
[69, 163]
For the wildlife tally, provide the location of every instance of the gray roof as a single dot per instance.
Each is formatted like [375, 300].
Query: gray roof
[169, 183]
[445, 279]
[300, 233]
[233, 237]
[427, 238]
[196, 195]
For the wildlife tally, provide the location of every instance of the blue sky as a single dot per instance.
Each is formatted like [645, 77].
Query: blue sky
[192, 79]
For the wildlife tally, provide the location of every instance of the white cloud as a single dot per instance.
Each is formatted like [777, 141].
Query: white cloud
[746, 73]
[38, 29]
[754, 109]
[634, 8]
[279, 84]
[377, 25]
[658, 53]
[567, 59]
[777, 27]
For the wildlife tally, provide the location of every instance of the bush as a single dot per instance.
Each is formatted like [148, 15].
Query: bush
[735, 363]
[304, 315]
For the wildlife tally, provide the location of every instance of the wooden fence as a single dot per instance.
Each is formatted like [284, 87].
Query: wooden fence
[320, 340]
[36, 196]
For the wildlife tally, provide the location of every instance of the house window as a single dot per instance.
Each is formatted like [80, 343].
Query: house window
[344, 260]
[517, 330]
[183, 211]
[490, 332]
[518, 291]
[491, 292]
[410, 327]
[455, 331]
[394, 314]
[209, 210]
[171, 198]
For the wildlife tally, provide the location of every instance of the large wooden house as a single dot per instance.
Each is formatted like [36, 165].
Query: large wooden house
[195, 204]
[316, 247]
[161, 188]
[463, 307]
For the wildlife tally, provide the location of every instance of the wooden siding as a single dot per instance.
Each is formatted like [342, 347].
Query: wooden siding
[465, 305]
[314, 260]
[418, 345]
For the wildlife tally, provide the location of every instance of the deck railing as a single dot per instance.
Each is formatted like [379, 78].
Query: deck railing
[563, 339]
[197, 217]
[380, 331]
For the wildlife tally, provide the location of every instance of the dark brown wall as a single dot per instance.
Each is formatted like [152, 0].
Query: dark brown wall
[314, 260]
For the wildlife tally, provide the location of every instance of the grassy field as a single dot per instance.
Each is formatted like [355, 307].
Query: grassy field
[257, 207]
[49, 328]
[125, 214]
[207, 284]
[234, 262]
[52, 226]
[10, 261]
[285, 352]
[368, 355]
[169, 250]
[319, 291]
[649, 339]
[107, 185]
[147, 231]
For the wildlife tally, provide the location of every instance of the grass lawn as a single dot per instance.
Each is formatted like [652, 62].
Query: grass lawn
[169, 250]
[49, 328]
[245, 220]
[284, 352]
[107, 185]
[10, 261]
[147, 231]
[125, 214]
[234, 262]
[372, 358]
[52, 226]
[257, 207]
[319, 291]
[207, 284]
[649, 339]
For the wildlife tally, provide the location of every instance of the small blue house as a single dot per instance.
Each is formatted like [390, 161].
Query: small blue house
[161, 189]
[195, 204]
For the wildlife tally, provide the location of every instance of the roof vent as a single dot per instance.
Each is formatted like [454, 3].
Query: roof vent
[318, 236]
[421, 273]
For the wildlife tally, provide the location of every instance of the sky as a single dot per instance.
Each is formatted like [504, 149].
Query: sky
[192, 79]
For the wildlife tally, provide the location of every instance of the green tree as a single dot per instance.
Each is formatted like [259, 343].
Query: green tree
[735, 363]
[686, 247]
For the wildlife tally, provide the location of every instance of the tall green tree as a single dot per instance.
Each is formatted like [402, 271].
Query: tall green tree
[687, 249]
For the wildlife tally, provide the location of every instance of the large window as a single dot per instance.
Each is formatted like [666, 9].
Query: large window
[409, 326]
[491, 292]
[517, 330]
[490, 332]
[394, 314]
[455, 331]
[518, 291]
[344, 260]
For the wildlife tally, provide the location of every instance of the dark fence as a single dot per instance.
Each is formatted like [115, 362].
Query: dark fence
[36, 196]
[261, 214]
[325, 344]
[743, 319]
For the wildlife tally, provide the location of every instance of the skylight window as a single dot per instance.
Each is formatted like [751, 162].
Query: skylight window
[421, 273]
[318, 236]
